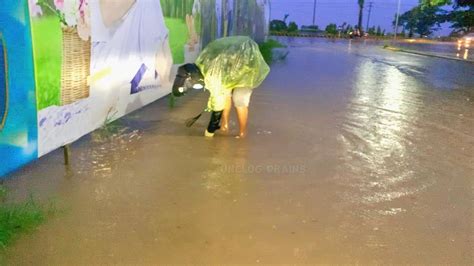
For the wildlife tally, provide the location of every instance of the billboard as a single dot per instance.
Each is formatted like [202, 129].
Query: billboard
[68, 67]
[18, 131]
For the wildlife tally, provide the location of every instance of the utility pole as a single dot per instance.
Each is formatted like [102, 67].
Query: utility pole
[270, 7]
[368, 18]
[314, 13]
[396, 21]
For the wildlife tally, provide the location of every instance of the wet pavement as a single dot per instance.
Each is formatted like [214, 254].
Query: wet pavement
[355, 154]
[456, 50]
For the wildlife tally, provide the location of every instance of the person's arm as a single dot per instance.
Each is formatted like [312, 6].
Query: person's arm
[114, 10]
[185, 72]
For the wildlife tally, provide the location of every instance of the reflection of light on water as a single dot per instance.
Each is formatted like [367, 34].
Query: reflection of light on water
[466, 54]
[376, 135]
[378, 167]
[112, 147]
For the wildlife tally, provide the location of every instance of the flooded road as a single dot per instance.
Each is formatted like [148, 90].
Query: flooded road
[354, 155]
[456, 50]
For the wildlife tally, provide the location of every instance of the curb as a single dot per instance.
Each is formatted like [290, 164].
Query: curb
[394, 49]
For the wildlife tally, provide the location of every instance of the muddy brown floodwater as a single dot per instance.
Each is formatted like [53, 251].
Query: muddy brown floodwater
[355, 155]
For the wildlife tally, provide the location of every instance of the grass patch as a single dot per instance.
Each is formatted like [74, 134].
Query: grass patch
[47, 45]
[178, 38]
[266, 49]
[16, 219]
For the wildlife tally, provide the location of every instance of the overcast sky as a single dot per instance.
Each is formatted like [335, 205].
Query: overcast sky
[339, 11]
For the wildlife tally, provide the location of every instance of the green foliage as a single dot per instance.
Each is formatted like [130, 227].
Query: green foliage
[375, 31]
[178, 34]
[462, 20]
[266, 49]
[292, 27]
[278, 25]
[423, 21]
[371, 31]
[50, 9]
[461, 16]
[3, 193]
[47, 46]
[331, 29]
[20, 218]
[177, 8]
[428, 3]
[314, 28]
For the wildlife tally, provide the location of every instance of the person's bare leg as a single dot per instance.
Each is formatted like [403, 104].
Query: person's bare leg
[242, 114]
[226, 114]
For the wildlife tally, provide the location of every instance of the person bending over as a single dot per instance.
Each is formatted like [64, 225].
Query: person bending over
[229, 68]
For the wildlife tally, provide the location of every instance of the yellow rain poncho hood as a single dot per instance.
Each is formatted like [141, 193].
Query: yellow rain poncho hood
[231, 63]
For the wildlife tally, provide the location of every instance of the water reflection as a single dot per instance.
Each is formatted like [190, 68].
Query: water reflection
[113, 144]
[450, 49]
[376, 135]
[220, 179]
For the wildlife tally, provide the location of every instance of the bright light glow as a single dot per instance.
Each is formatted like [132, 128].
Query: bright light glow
[411, 40]
[198, 87]
[466, 54]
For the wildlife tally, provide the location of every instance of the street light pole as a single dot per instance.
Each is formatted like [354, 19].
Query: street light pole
[396, 20]
[270, 7]
[368, 18]
[314, 13]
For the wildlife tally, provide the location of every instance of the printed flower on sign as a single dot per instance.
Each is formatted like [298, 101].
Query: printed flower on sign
[59, 4]
[35, 9]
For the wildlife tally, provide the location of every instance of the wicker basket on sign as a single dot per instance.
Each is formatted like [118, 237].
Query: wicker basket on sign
[75, 67]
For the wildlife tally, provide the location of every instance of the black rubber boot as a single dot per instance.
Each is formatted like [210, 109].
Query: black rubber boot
[214, 124]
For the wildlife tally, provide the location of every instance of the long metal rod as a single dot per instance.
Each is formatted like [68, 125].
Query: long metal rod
[67, 154]
[270, 7]
[396, 20]
[314, 12]
[368, 18]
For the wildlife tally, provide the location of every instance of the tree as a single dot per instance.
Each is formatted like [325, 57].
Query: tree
[292, 27]
[278, 25]
[461, 17]
[371, 31]
[422, 20]
[379, 31]
[310, 28]
[462, 20]
[361, 12]
[458, 3]
[331, 29]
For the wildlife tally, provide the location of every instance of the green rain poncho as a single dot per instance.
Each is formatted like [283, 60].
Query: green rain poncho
[231, 63]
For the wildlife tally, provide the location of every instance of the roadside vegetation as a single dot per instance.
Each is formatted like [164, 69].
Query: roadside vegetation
[332, 30]
[20, 218]
[422, 21]
[267, 49]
